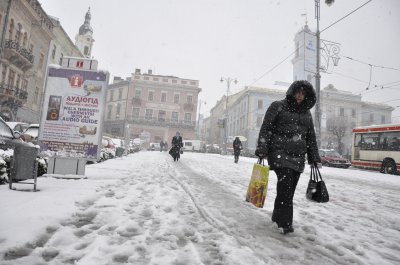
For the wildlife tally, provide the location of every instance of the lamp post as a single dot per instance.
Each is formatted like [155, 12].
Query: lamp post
[198, 119]
[318, 75]
[228, 81]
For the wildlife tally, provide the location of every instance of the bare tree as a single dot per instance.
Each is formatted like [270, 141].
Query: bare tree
[338, 126]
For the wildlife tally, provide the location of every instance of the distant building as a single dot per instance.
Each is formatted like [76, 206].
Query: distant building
[152, 107]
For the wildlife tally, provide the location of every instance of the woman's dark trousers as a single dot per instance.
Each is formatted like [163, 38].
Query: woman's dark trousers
[285, 188]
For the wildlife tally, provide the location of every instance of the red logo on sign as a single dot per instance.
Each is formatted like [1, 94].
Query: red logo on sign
[76, 81]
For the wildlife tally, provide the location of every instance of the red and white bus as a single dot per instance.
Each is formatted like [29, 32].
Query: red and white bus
[377, 147]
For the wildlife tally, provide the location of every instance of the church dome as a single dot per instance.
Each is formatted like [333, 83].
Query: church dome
[85, 28]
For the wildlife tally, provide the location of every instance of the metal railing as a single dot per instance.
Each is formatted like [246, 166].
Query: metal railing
[158, 121]
[13, 91]
[12, 44]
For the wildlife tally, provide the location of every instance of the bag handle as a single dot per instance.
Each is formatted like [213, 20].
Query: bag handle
[315, 173]
[260, 161]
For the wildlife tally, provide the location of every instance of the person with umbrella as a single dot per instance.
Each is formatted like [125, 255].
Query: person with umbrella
[237, 147]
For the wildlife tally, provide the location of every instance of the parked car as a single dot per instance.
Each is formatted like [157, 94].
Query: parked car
[30, 135]
[154, 147]
[332, 158]
[18, 126]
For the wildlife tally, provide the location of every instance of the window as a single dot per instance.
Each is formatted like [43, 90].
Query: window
[297, 49]
[135, 112]
[86, 50]
[138, 93]
[41, 60]
[109, 112]
[353, 113]
[174, 81]
[36, 97]
[163, 97]
[146, 78]
[11, 29]
[174, 116]
[193, 83]
[148, 114]
[188, 117]
[118, 110]
[176, 99]
[151, 95]
[189, 99]
[120, 93]
[183, 82]
[259, 121]
[341, 112]
[3, 73]
[53, 52]
[11, 77]
[371, 117]
[111, 95]
[161, 115]
[383, 119]
[260, 104]
[155, 78]
[165, 80]
[61, 57]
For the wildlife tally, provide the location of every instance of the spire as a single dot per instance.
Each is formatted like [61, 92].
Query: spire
[85, 28]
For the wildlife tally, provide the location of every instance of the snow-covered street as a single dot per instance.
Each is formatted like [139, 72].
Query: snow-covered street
[148, 209]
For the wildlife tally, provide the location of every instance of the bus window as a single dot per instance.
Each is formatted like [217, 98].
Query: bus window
[370, 141]
[357, 140]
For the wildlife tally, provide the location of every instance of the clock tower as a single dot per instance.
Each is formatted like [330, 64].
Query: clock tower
[84, 39]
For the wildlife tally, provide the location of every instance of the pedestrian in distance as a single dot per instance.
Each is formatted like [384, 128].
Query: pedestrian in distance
[176, 146]
[165, 146]
[237, 147]
[286, 136]
[161, 146]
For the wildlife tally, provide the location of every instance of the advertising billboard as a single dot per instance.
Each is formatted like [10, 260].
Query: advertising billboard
[72, 115]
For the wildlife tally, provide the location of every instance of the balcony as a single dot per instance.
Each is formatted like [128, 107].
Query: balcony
[13, 92]
[162, 122]
[136, 102]
[18, 55]
[188, 107]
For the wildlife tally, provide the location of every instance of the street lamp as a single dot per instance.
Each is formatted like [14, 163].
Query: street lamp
[318, 75]
[228, 81]
[198, 119]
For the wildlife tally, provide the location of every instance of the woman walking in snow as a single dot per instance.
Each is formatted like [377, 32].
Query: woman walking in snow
[286, 136]
[237, 146]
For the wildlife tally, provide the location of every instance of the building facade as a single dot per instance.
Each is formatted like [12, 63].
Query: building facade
[30, 40]
[152, 107]
[26, 32]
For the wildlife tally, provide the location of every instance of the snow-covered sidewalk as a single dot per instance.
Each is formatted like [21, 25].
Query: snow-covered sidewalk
[147, 209]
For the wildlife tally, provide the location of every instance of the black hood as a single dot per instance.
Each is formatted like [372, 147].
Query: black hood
[310, 95]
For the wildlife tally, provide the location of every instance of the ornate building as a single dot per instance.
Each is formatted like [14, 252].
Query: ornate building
[84, 39]
[152, 107]
[26, 32]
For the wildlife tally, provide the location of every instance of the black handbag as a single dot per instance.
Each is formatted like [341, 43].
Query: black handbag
[316, 189]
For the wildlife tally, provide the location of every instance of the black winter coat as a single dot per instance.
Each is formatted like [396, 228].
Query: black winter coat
[287, 133]
[237, 146]
[177, 144]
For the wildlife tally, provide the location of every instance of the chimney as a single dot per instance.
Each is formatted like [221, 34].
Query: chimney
[137, 71]
[150, 72]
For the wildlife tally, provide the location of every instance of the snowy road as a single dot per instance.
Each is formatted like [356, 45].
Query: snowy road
[157, 211]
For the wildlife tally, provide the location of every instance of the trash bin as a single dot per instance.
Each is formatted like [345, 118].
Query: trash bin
[119, 151]
[24, 164]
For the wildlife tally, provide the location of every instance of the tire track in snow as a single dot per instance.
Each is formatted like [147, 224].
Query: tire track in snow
[250, 234]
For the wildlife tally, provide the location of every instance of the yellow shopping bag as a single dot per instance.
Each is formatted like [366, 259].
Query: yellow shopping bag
[257, 190]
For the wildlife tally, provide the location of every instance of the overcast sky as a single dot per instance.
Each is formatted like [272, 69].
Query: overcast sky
[209, 39]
